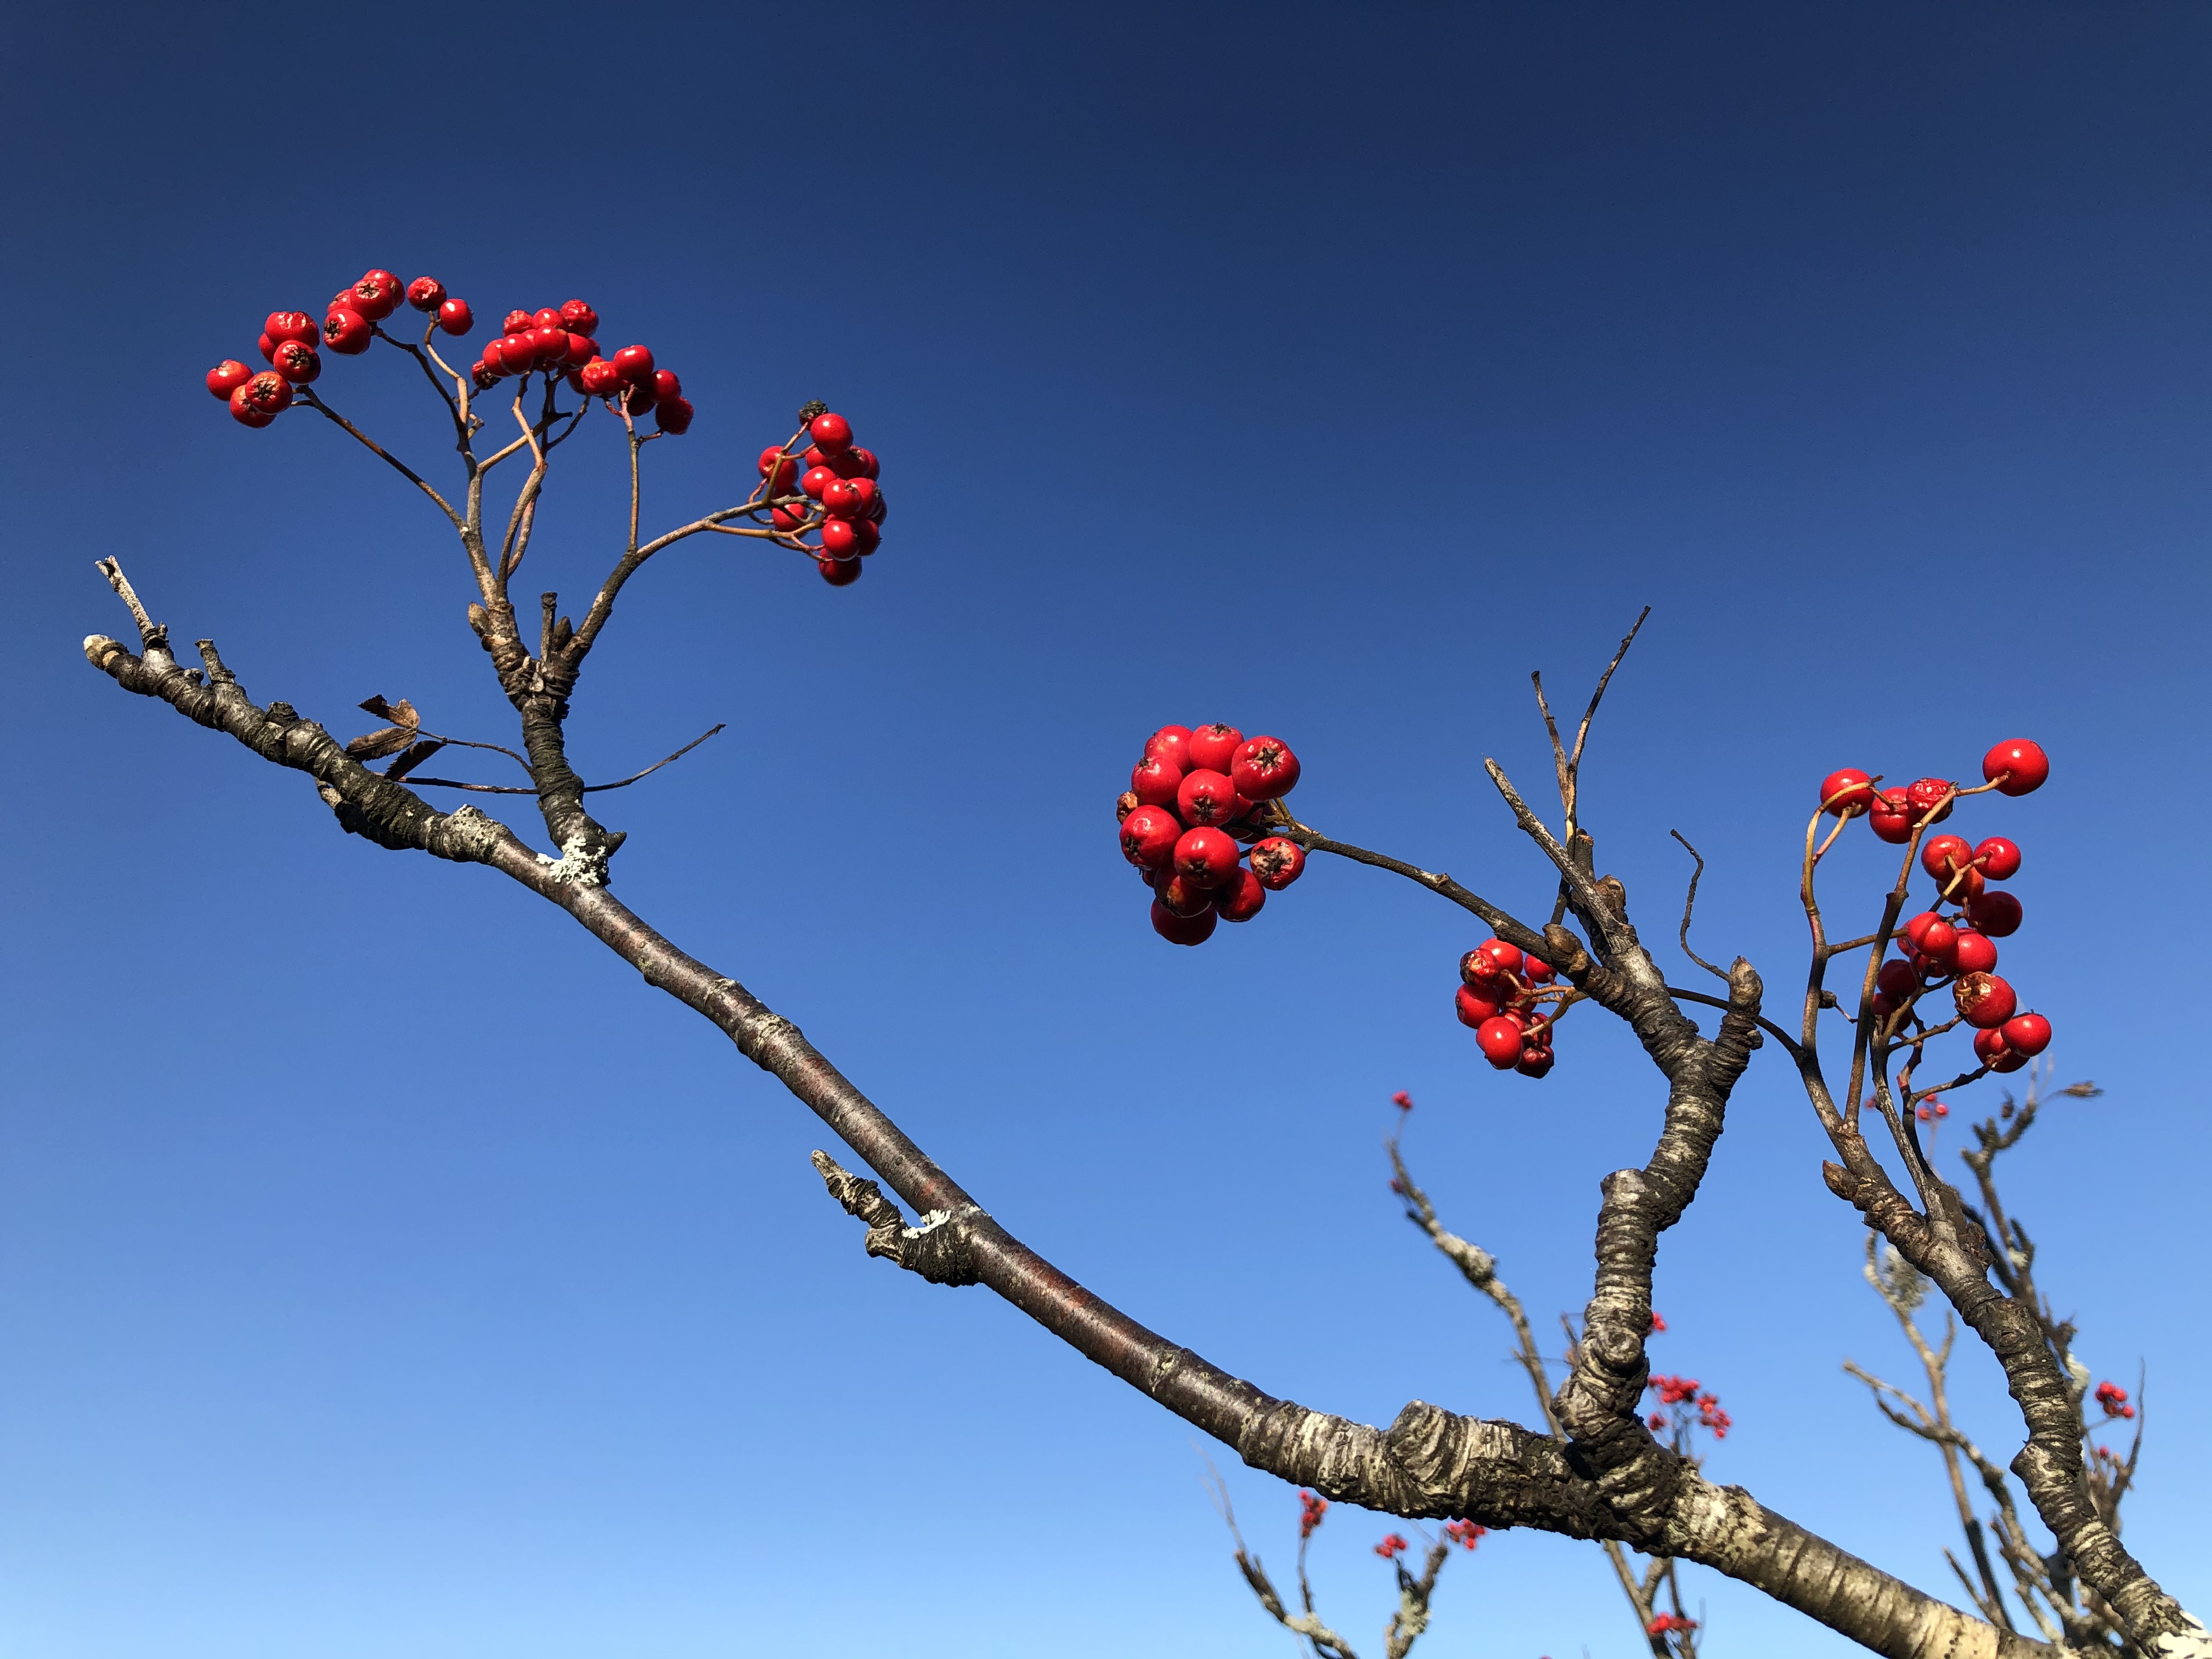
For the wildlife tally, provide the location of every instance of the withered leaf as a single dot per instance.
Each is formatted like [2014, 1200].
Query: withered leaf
[401, 713]
[416, 755]
[375, 745]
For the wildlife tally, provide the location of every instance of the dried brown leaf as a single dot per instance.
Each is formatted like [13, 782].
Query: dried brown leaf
[416, 755]
[375, 745]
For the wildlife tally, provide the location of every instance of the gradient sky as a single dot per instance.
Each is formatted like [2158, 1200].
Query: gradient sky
[383, 1269]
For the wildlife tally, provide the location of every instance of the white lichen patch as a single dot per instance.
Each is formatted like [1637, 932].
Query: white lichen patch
[2195, 1642]
[576, 866]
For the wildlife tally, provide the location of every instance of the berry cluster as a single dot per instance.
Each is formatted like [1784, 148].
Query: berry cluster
[1684, 1393]
[1191, 800]
[1500, 987]
[289, 339]
[562, 340]
[1670, 1621]
[1311, 1508]
[837, 496]
[1958, 950]
[1393, 1546]
[1465, 1533]
[2114, 1399]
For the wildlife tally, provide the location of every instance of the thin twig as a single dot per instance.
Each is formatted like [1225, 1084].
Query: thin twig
[1690, 903]
[589, 788]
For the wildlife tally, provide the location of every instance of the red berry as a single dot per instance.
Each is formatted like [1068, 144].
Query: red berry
[1507, 957]
[2021, 765]
[1277, 862]
[1997, 914]
[1239, 898]
[290, 325]
[865, 492]
[1473, 1007]
[1182, 930]
[347, 332]
[1941, 856]
[1998, 859]
[1537, 972]
[1206, 797]
[1149, 835]
[674, 416]
[1213, 747]
[832, 433]
[268, 392]
[846, 463]
[866, 536]
[1155, 782]
[599, 376]
[1500, 1040]
[790, 517]
[817, 480]
[1179, 896]
[841, 536]
[839, 500]
[578, 318]
[1923, 795]
[635, 364]
[1846, 793]
[1974, 953]
[1896, 980]
[666, 388]
[1983, 1001]
[484, 374]
[1534, 1062]
[267, 347]
[1916, 927]
[244, 412]
[1204, 857]
[455, 317]
[780, 470]
[581, 349]
[297, 363]
[1264, 769]
[227, 376]
[2027, 1034]
[1891, 818]
[519, 322]
[551, 346]
[1172, 744]
[426, 293]
[1939, 943]
[549, 317]
[1990, 1048]
[866, 460]
[839, 573]
[377, 294]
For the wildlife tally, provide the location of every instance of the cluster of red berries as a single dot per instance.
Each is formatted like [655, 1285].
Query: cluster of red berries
[1670, 1621]
[1465, 1533]
[1191, 800]
[837, 495]
[289, 339]
[1311, 1507]
[1393, 1546]
[560, 340]
[1930, 1110]
[1686, 1391]
[1958, 950]
[2114, 1399]
[1497, 998]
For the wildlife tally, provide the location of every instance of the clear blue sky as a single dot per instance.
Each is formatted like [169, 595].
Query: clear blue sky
[383, 1269]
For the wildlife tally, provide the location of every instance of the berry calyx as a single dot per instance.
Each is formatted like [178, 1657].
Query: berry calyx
[297, 363]
[1983, 1001]
[1499, 1039]
[1213, 747]
[1997, 858]
[426, 293]
[1182, 930]
[2027, 1033]
[1997, 914]
[1277, 863]
[1239, 898]
[455, 317]
[1204, 857]
[377, 294]
[227, 376]
[1207, 797]
[832, 433]
[1891, 816]
[1155, 782]
[244, 412]
[2021, 765]
[1264, 769]
[268, 391]
[1846, 793]
[1149, 835]
[347, 332]
[1927, 795]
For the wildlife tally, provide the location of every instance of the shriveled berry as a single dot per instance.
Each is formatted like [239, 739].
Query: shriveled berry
[832, 433]
[1941, 856]
[1473, 1007]
[1204, 857]
[1171, 743]
[1926, 795]
[599, 376]
[1194, 929]
[1239, 898]
[1997, 858]
[1500, 1040]
[377, 294]
[227, 376]
[1264, 769]
[1534, 1062]
[517, 322]
[484, 376]
[578, 318]
[1149, 835]
[1207, 797]
[426, 293]
[1277, 862]
[1997, 914]
[839, 573]
[1124, 804]
[244, 412]
[297, 363]
[1891, 818]
[1983, 1001]
[455, 317]
[1846, 793]
[1155, 782]
[2021, 765]
[2027, 1033]
[635, 364]
[290, 325]
[347, 332]
[1975, 953]
[1213, 747]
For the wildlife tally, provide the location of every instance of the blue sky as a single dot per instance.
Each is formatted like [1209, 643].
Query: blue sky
[385, 1269]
